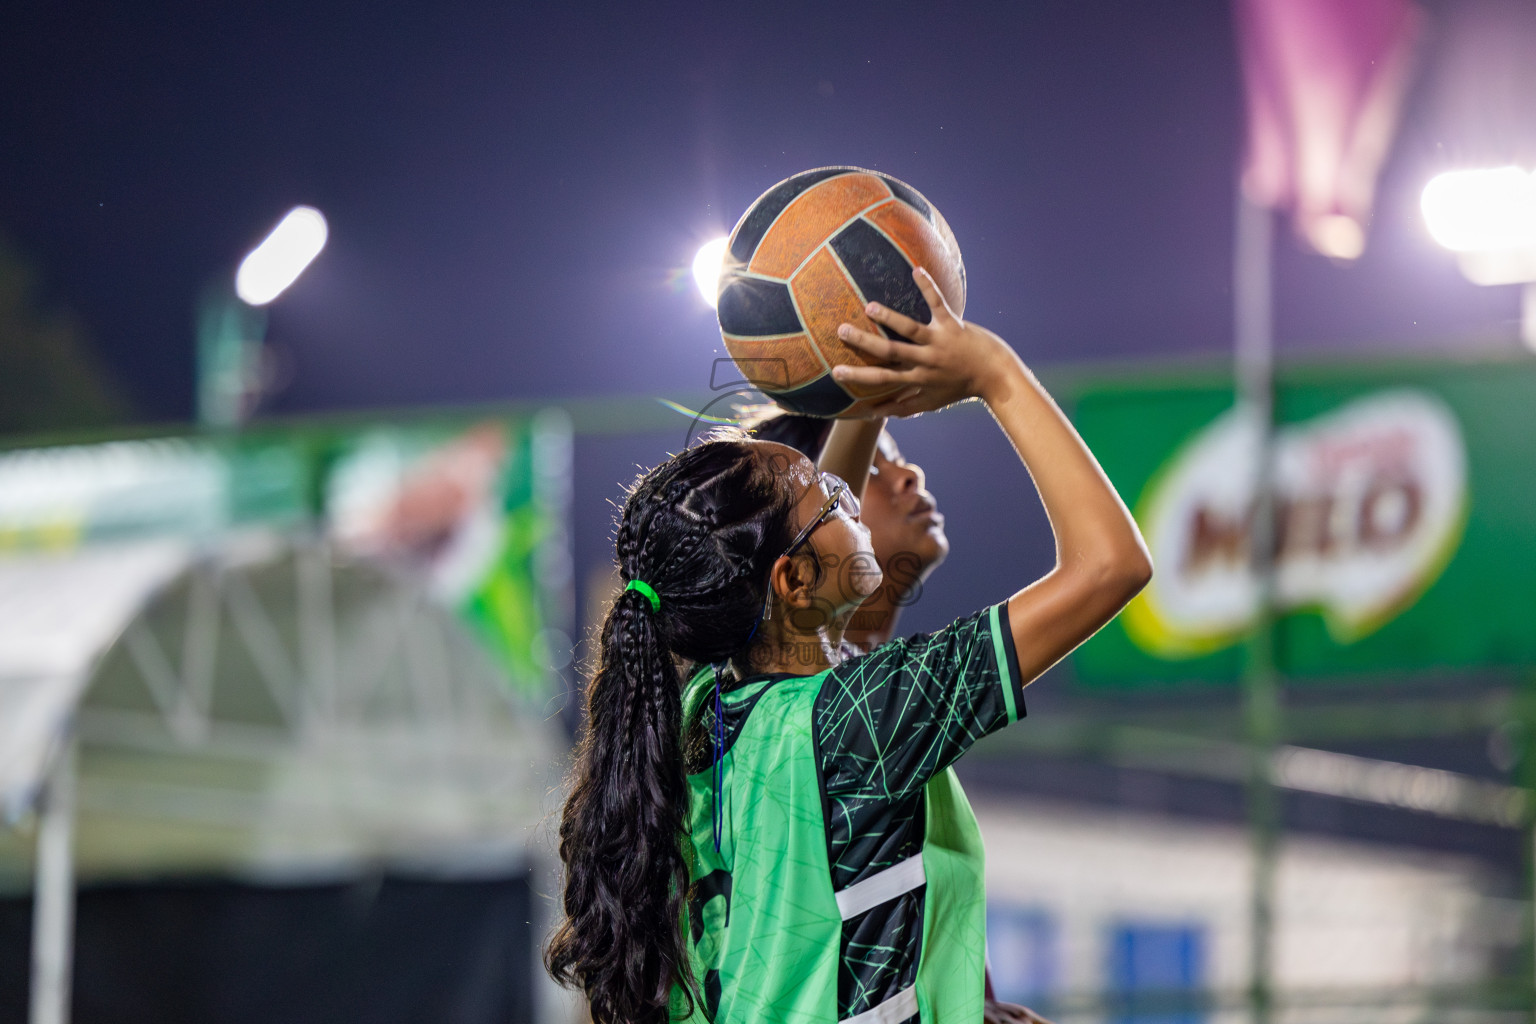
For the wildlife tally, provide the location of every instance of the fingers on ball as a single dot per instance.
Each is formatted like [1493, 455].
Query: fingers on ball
[867, 375]
[898, 322]
[930, 290]
[864, 341]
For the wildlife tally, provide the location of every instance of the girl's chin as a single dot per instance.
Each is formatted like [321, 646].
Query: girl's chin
[931, 546]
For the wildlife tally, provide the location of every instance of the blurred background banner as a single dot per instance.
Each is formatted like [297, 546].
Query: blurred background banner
[96, 539]
[479, 512]
[1403, 521]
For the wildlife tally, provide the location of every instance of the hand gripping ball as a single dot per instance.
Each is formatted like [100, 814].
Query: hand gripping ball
[806, 257]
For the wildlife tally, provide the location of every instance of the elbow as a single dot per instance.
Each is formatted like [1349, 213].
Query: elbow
[1120, 575]
[1136, 571]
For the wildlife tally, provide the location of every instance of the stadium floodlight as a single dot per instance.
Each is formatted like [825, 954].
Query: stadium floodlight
[282, 256]
[1482, 211]
[706, 269]
[1488, 219]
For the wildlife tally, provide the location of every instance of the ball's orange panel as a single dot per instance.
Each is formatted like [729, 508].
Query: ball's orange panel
[924, 247]
[826, 299]
[808, 221]
[776, 363]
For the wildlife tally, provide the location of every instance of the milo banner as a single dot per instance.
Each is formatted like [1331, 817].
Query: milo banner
[1405, 521]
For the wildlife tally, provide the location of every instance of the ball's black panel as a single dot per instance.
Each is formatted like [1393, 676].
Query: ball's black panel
[821, 397]
[754, 308]
[880, 271]
[908, 195]
[770, 204]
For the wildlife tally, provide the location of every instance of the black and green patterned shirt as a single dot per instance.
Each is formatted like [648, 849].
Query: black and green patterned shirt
[843, 832]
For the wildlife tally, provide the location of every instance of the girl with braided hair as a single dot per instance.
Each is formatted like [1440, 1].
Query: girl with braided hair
[781, 838]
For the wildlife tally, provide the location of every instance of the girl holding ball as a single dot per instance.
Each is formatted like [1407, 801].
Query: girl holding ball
[781, 839]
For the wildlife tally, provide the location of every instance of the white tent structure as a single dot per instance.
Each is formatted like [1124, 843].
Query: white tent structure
[255, 703]
[261, 709]
[64, 613]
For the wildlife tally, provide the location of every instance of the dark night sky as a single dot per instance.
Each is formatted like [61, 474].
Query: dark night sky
[515, 191]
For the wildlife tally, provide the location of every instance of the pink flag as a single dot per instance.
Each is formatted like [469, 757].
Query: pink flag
[1325, 79]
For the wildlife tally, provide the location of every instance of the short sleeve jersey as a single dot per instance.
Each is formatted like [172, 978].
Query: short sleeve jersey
[846, 884]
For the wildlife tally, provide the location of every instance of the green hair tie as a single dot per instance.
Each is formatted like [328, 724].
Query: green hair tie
[646, 589]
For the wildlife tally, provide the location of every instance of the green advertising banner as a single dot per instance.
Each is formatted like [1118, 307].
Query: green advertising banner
[478, 513]
[1405, 537]
[474, 511]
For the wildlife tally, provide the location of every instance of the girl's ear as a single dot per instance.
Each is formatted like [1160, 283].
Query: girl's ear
[780, 583]
[786, 580]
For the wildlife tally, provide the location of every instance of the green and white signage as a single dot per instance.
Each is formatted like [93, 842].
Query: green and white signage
[1405, 521]
[472, 510]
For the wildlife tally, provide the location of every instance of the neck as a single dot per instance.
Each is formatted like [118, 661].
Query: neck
[801, 652]
[875, 621]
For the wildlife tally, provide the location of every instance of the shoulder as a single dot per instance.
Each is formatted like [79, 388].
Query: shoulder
[900, 653]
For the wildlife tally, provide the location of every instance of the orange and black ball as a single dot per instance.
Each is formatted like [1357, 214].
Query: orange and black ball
[806, 257]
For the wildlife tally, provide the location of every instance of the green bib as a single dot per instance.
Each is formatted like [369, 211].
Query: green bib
[764, 923]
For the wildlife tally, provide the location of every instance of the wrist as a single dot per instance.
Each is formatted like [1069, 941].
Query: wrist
[858, 426]
[1004, 375]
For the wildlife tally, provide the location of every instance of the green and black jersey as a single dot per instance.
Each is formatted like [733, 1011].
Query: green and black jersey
[848, 882]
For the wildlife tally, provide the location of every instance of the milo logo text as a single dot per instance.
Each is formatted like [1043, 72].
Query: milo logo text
[1369, 505]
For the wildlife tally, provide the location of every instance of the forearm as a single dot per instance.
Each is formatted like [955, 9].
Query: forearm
[849, 450]
[1101, 561]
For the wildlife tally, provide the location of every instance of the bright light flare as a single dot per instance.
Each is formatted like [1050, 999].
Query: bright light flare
[1338, 236]
[706, 269]
[1482, 211]
[282, 256]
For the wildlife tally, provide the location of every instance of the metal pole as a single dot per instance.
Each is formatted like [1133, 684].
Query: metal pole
[1530, 905]
[53, 907]
[1254, 369]
[1528, 314]
[317, 631]
[1524, 720]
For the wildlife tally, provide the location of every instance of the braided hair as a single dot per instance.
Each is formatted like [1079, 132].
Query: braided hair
[806, 434]
[703, 530]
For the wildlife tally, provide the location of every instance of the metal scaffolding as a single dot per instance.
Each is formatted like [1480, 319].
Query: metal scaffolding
[276, 710]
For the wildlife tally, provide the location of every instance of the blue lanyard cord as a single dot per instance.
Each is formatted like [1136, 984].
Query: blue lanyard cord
[718, 816]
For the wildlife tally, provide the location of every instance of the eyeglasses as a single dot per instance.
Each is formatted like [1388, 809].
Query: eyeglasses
[839, 500]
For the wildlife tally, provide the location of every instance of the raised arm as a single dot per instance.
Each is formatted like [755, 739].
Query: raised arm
[1101, 561]
[850, 449]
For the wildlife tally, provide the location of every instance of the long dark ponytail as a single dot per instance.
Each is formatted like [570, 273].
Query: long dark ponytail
[703, 530]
